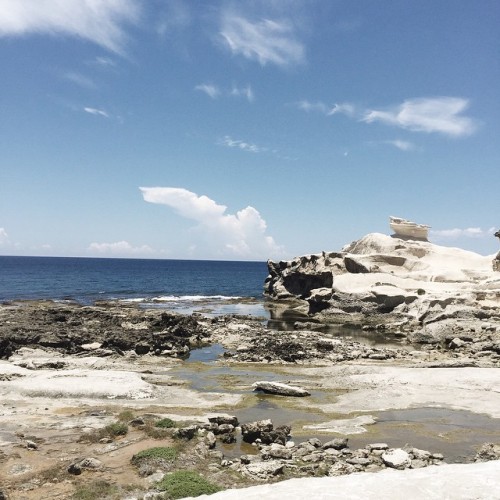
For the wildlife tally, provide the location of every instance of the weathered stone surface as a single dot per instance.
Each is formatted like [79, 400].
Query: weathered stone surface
[210, 440]
[280, 389]
[397, 459]
[253, 430]
[382, 279]
[103, 329]
[336, 444]
[224, 419]
[263, 470]
[489, 451]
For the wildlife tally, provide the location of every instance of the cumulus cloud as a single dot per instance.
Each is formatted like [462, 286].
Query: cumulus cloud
[428, 114]
[470, 232]
[209, 89]
[98, 21]
[119, 248]
[97, 112]
[4, 237]
[219, 234]
[265, 41]
[244, 146]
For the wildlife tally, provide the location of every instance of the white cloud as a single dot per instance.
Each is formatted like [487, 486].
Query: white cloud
[81, 80]
[470, 232]
[119, 248]
[97, 112]
[104, 61]
[244, 146]
[209, 89]
[246, 92]
[344, 108]
[402, 145]
[321, 107]
[428, 114]
[218, 234]
[308, 106]
[4, 237]
[98, 21]
[265, 41]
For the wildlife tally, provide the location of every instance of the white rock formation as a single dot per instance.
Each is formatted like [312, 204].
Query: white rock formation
[280, 388]
[383, 279]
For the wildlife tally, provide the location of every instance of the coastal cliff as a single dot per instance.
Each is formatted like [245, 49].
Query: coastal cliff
[393, 283]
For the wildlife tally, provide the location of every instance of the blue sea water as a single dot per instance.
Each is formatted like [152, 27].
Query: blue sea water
[86, 280]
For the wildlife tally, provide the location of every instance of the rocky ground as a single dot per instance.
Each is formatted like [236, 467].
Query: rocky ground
[83, 388]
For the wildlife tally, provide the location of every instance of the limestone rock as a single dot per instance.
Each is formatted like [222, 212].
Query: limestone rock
[280, 389]
[264, 470]
[388, 280]
[397, 459]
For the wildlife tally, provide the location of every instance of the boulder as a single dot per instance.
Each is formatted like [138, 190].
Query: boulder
[253, 430]
[280, 389]
[264, 470]
[397, 459]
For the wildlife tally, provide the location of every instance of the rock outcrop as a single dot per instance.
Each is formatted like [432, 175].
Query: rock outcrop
[100, 330]
[387, 280]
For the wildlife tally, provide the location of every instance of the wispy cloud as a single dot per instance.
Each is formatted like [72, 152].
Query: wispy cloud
[470, 232]
[215, 91]
[245, 92]
[442, 115]
[4, 237]
[79, 79]
[265, 41]
[320, 107]
[428, 114]
[99, 21]
[309, 106]
[343, 108]
[218, 233]
[401, 145]
[243, 145]
[104, 61]
[209, 89]
[123, 248]
[97, 112]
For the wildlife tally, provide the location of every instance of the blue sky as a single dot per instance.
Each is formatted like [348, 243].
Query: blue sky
[245, 130]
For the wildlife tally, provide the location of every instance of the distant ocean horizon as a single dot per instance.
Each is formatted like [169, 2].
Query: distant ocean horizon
[87, 279]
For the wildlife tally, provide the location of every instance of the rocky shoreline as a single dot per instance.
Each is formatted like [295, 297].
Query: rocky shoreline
[89, 348]
[113, 329]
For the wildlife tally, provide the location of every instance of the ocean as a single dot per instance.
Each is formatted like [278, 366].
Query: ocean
[172, 284]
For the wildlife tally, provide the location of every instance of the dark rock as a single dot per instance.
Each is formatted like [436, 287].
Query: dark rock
[252, 431]
[228, 438]
[336, 444]
[224, 419]
[354, 266]
[187, 432]
[142, 348]
[75, 469]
